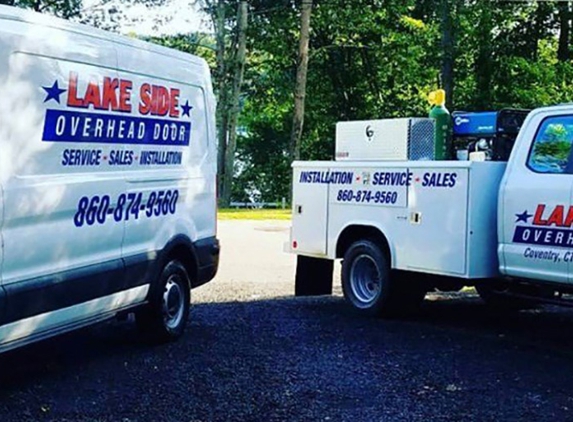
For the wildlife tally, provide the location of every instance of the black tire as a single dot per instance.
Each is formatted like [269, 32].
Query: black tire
[165, 317]
[371, 287]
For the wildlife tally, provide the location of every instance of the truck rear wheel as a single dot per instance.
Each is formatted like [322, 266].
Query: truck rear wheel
[166, 315]
[371, 287]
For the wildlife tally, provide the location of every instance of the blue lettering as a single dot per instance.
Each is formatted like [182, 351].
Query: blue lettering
[120, 158]
[81, 157]
[439, 180]
[403, 178]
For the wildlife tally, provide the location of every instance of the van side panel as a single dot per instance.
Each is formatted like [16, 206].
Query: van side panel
[50, 169]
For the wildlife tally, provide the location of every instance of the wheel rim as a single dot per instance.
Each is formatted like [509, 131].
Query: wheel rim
[365, 279]
[173, 302]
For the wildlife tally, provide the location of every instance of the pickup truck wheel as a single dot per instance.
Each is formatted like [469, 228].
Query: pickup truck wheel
[166, 315]
[369, 285]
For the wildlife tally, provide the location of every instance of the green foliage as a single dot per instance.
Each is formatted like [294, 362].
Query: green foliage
[253, 214]
[62, 8]
[378, 59]
[368, 59]
[199, 44]
[558, 150]
[554, 144]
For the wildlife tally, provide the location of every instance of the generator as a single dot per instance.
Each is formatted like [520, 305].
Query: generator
[491, 132]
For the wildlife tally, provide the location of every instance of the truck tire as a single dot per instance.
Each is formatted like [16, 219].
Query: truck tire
[165, 317]
[371, 287]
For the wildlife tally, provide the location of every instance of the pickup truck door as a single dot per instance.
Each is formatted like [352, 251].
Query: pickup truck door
[536, 238]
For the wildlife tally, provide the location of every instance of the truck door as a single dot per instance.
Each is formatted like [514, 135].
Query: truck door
[536, 239]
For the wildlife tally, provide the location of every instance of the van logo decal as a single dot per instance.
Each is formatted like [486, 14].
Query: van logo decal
[113, 111]
[53, 92]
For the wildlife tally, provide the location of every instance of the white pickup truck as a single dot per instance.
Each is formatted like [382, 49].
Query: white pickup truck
[404, 228]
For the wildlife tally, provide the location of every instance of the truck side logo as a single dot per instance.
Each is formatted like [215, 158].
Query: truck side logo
[549, 227]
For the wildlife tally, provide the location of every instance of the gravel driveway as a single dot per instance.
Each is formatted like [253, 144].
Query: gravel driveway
[253, 352]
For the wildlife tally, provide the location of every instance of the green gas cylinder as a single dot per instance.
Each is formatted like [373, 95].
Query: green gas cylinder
[443, 131]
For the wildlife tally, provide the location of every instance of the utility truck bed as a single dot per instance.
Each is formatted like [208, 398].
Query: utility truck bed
[438, 217]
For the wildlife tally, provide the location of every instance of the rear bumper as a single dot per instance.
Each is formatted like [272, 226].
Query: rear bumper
[207, 252]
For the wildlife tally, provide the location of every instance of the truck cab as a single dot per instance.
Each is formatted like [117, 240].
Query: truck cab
[535, 213]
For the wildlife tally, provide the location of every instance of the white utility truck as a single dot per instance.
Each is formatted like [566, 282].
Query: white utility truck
[405, 226]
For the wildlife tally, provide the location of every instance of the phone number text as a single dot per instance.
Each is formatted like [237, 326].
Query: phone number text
[367, 196]
[98, 209]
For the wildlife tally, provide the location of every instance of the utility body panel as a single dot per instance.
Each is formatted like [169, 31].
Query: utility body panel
[438, 217]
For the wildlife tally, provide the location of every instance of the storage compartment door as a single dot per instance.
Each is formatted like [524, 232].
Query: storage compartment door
[436, 235]
[309, 216]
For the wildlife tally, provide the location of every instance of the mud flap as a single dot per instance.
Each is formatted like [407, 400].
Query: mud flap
[313, 276]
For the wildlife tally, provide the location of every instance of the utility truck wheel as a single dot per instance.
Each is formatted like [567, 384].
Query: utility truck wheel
[369, 285]
[165, 317]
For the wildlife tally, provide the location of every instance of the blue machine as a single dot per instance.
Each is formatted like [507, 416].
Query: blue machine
[475, 124]
[492, 131]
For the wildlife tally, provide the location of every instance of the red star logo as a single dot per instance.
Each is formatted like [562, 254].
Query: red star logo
[417, 179]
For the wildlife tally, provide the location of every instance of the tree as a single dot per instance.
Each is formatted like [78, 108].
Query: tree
[62, 8]
[300, 86]
[448, 12]
[239, 66]
[563, 53]
[230, 35]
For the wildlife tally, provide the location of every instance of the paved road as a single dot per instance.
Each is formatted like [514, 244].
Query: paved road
[255, 353]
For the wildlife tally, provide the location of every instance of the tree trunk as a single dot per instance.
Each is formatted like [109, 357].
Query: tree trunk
[242, 20]
[448, 50]
[222, 107]
[538, 27]
[300, 87]
[564, 30]
[483, 61]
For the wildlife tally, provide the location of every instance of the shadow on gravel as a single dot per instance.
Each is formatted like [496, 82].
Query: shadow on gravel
[68, 352]
[456, 317]
[547, 327]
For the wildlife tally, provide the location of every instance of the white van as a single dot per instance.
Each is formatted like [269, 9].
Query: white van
[107, 179]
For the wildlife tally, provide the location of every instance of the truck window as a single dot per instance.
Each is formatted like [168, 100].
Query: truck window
[551, 148]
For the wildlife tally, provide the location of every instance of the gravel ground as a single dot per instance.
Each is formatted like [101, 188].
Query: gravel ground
[253, 352]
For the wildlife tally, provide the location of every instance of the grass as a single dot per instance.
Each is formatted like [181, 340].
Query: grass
[255, 214]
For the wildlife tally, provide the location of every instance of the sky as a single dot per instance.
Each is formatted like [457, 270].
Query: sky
[174, 17]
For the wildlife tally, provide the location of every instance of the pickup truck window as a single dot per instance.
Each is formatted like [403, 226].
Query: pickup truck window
[551, 149]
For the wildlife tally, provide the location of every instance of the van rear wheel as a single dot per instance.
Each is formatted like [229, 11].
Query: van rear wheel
[371, 287]
[166, 315]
